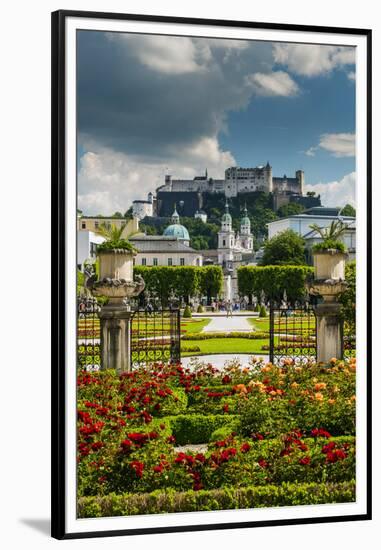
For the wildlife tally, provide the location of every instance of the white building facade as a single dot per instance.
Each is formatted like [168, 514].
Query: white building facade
[87, 242]
[301, 224]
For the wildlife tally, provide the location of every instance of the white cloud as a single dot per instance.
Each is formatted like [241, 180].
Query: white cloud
[178, 55]
[311, 152]
[351, 76]
[313, 59]
[277, 83]
[340, 145]
[336, 193]
[109, 181]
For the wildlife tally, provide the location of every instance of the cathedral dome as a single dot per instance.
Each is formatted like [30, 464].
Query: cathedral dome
[178, 231]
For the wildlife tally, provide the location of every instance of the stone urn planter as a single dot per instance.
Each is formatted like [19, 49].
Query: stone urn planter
[117, 284]
[328, 283]
[116, 276]
[329, 264]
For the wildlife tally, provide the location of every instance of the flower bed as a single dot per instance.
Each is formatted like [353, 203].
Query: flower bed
[265, 429]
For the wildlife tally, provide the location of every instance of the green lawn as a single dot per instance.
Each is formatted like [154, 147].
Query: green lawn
[192, 326]
[264, 323]
[226, 345]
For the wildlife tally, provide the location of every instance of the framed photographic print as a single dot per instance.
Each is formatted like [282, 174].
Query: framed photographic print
[211, 187]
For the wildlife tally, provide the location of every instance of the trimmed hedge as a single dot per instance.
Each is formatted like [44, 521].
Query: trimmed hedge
[184, 281]
[198, 428]
[273, 280]
[227, 498]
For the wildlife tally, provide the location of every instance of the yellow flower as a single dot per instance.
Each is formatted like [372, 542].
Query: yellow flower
[294, 385]
[298, 369]
[336, 389]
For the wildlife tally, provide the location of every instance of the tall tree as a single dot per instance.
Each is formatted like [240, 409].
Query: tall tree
[285, 248]
[348, 210]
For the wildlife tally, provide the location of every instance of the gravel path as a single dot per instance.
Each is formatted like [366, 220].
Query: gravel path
[228, 324]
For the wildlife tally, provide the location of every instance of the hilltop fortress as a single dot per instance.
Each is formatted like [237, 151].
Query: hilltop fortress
[237, 181]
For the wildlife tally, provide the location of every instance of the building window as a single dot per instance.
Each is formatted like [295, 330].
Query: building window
[224, 243]
[96, 224]
[169, 261]
[155, 261]
[83, 225]
[144, 261]
[182, 261]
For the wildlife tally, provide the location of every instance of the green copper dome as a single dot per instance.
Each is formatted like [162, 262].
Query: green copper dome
[226, 218]
[245, 220]
[178, 231]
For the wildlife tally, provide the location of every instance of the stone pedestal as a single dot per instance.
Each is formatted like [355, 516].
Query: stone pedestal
[116, 338]
[329, 331]
[116, 283]
[328, 283]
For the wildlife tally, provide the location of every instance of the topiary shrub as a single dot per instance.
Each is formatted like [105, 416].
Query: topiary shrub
[187, 312]
[224, 432]
[200, 309]
[262, 311]
[198, 428]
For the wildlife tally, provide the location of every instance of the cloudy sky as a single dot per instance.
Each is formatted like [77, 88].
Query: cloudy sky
[150, 105]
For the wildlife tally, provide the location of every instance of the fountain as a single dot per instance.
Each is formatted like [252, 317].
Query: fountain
[228, 288]
[117, 284]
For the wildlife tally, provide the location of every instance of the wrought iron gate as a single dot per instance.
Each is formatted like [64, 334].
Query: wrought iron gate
[155, 336]
[88, 333]
[292, 332]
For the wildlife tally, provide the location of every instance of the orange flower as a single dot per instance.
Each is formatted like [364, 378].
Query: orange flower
[240, 388]
[319, 396]
[331, 401]
[320, 386]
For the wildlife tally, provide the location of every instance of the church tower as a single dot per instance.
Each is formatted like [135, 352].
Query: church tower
[245, 232]
[226, 240]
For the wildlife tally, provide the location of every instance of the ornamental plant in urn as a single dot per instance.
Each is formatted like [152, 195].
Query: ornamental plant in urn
[116, 260]
[329, 282]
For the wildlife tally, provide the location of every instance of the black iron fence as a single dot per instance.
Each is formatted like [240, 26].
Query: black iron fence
[88, 333]
[155, 336]
[292, 332]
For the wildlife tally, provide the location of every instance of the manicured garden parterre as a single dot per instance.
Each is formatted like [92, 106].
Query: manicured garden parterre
[266, 436]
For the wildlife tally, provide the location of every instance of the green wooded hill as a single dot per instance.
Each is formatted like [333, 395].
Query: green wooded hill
[204, 235]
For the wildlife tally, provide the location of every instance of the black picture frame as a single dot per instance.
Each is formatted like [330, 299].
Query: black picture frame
[58, 205]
